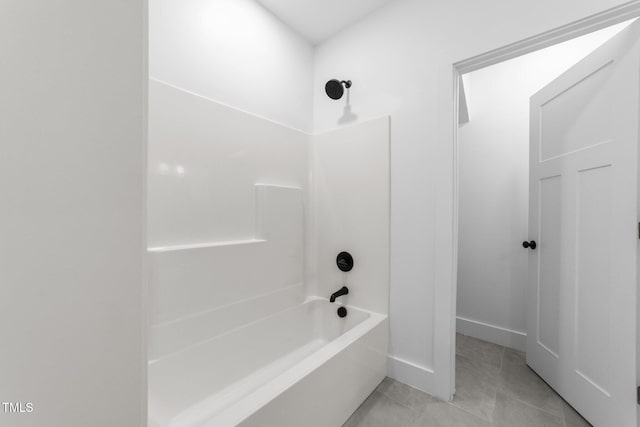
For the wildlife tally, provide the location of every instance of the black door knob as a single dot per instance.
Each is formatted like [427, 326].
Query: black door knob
[530, 245]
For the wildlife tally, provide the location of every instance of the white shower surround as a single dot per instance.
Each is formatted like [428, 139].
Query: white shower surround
[241, 332]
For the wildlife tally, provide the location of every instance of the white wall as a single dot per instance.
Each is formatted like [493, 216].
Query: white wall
[494, 188]
[400, 60]
[235, 52]
[72, 161]
[350, 212]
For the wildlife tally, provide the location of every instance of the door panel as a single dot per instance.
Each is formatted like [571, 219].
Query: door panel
[583, 214]
[593, 278]
[549, 265]
[574, 119]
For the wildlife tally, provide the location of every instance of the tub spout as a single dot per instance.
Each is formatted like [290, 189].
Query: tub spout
[342, 291]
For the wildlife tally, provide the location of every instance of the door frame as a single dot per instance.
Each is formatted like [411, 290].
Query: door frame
[555, 36]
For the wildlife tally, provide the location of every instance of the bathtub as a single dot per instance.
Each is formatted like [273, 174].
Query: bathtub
[303, 366]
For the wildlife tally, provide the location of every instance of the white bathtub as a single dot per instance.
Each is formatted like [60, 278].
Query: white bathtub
[303, 366]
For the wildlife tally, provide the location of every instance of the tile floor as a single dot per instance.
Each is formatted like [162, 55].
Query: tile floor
[494, 388]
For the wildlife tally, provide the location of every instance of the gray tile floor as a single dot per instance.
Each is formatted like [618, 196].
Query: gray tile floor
[494, 388]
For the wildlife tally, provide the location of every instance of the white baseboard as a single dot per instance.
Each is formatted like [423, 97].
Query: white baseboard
[492, 333]
[411, 374]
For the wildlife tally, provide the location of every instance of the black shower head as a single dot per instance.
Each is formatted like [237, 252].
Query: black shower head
[334, 88]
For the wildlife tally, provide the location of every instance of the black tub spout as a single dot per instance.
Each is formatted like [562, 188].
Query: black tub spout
[342, 291]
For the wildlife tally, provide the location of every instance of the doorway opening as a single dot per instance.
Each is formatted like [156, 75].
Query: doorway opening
[493, 240]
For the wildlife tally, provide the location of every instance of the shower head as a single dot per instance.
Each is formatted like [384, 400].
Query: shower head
[334, 88]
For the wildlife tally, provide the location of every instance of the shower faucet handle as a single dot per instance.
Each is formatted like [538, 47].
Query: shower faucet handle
[344, 261]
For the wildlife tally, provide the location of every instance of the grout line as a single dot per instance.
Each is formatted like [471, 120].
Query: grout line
[388, 396]
[414, 412]
[472, 413]
[432, 400]
[513, 397]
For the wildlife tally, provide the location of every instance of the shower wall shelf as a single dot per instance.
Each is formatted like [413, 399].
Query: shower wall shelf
[263, 193]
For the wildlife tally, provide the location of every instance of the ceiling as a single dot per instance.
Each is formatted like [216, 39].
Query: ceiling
[317, 20]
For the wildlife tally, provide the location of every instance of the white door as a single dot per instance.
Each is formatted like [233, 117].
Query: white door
[581, 317]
